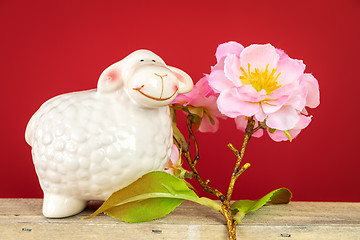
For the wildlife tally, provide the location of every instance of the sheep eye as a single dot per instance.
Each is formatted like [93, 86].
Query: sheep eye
[141, 60]
[153, 60]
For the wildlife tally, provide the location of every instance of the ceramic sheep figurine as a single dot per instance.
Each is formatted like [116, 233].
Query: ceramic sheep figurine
[88, 144]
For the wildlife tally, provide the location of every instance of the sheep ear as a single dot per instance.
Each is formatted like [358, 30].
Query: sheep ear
[110, 79]
[185, 81]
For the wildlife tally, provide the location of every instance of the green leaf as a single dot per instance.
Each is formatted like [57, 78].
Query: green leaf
[288, 135]
[199, 111]
[173, 113]
[144, 210]
[179, 137]
[195, 120]
[242, 207]
[271, 130]
[152, 196]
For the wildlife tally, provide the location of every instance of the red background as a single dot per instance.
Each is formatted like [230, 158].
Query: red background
[53, 47]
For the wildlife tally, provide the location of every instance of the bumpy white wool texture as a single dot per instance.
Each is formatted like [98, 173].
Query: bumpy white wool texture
[87, 145]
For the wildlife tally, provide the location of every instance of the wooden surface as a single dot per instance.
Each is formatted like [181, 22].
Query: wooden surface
[22, 219]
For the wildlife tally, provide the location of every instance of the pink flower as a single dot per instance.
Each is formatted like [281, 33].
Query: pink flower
[266, 83]
[201, 101]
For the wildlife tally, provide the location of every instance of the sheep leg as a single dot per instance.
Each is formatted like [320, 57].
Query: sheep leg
[57, 206]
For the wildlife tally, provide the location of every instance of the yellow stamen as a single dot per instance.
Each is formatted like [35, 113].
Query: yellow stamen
[261, 80]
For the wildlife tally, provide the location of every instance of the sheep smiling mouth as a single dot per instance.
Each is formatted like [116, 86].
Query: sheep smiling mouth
[154, 98]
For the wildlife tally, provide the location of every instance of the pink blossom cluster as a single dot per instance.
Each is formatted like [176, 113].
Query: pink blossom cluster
[264, 82]
[258, 81]
[201, 101]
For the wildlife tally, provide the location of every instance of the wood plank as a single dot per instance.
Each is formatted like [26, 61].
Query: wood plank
[22, 219]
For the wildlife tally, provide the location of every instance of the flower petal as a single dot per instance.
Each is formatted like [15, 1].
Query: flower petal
[312, 86]
[203, 86]
[232, 106]
[241, 123]
[284, 119]
[258, 133]
[304, 121]
[286, 89]
[278, 136]
[232, 69]
[174, 157]
[207, 126]
[259, 56]
[274, 105]
[248, 93]
[297, 99]
[228, 48]
[260, 115]
[218, 81]
[181, 99]
[281, 53]
[290, 70]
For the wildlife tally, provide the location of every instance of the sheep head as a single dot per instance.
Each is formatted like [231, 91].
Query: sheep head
[146, 78]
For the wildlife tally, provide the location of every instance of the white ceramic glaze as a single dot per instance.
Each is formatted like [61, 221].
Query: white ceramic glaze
[88, 144]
